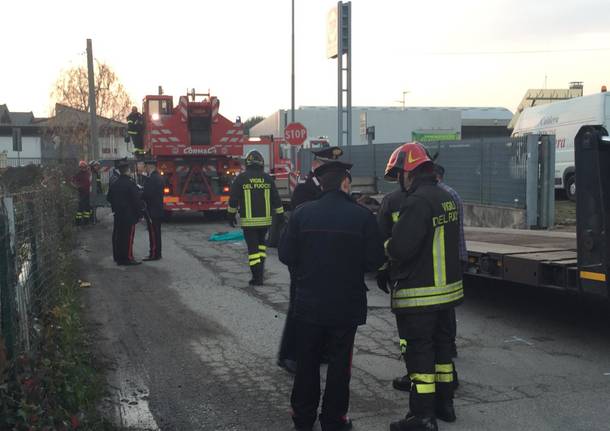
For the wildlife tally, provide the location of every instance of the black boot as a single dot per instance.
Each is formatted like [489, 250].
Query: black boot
[402, 383]
[443, 402]
[414, 423]
[257, 275]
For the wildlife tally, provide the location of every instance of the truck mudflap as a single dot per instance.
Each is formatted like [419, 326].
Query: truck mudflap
[592, 159]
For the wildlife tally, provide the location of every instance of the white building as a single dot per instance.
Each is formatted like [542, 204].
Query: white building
[393, 125]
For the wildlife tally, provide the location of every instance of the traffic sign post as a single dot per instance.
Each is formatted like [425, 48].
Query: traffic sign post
[295, 133]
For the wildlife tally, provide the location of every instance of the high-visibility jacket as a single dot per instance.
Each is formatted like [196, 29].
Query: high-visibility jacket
[424, 251]
[255, 195]
[135, 123]
[389, 211]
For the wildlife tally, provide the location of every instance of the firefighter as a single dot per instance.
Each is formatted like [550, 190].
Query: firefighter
[387, 216]
[304, 192]
[127, 206]
[329, 243]
[427, 284]
[153, 197]
[135, 129]
[255, 195]
[82, 183]
[439, 171]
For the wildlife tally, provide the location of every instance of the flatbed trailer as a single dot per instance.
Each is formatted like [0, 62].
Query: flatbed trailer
[574, 262]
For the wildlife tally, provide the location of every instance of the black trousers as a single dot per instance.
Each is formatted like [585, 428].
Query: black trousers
[154, 237]
[138, 141]
[125, 234]
[114, 242]
[83, 214]
[257, 250]
[289, 343]
[429, 338]
[313, 340]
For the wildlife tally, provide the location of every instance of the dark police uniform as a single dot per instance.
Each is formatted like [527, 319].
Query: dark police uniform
[135, 129]
[124, 198]
[308, 191]
[329, 244]
[153, 197]
[255, 196]
[427, 275]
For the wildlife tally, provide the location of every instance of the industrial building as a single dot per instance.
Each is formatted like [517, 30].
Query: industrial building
[394, 125]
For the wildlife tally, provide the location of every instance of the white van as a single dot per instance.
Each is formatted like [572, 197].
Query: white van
[564, 119]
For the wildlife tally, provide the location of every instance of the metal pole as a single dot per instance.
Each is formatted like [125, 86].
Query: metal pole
[93, 148]
[340, 74]
[292, 99]
[349, 72]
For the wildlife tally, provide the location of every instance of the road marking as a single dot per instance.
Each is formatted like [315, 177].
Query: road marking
[515, 339]
[132, 408]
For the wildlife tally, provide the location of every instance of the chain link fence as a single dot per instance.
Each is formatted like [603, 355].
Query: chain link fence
[37, 209]
[490, 171]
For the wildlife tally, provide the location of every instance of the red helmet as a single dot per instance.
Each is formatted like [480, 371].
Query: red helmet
[406, 158]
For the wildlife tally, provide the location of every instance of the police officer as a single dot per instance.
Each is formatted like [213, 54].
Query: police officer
[255, 195]
[310, 189]
[329, 244]
[427, 278]
[124, 198]
[135, 129]
[153, 197]
[304, 192]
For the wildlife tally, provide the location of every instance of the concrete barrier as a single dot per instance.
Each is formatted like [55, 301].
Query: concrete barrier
[478, 215]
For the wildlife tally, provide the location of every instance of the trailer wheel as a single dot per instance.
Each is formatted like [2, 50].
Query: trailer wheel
[570, 186]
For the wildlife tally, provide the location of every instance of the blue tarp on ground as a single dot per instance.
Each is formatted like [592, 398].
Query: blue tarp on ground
[236, 235]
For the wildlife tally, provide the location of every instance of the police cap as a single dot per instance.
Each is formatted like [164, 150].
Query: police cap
[334, 166]
[119, 163]
[328, 154]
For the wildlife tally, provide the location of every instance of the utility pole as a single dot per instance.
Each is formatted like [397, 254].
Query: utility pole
[292, 98]
[93, 141]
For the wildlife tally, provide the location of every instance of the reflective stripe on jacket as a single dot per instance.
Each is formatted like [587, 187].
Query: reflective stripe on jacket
[424, 251]
[255, 196]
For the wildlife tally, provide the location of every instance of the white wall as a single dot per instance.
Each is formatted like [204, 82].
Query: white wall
[31, 147]
[391, 125]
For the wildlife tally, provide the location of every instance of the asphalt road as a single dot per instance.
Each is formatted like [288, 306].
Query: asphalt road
[190, 346]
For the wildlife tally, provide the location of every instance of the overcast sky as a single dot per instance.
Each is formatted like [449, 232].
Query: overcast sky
[444, 52]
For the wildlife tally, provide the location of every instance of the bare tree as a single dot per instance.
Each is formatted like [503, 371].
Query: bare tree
[68, 127]
[111, 99]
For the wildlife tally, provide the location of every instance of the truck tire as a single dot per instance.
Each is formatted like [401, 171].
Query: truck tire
[570, 186]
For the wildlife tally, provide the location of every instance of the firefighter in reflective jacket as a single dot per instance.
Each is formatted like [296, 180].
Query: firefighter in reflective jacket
[135, 127]
[427, 283]
[255, 195]
[387, 216]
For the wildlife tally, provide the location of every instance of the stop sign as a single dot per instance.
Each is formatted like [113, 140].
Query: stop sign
[295, 133]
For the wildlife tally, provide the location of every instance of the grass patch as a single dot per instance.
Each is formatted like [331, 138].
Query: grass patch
[60, 386]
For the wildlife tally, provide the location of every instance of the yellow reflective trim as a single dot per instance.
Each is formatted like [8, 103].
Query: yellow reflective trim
[444, 368]
[428, 388]
[279, 210]
[254, 256]
[395, 216]
[267, 203]
[248, 203]
[255, 262]
[132, 133]
[428, 301]
[444, 378]
[231, 210]
[416, 292]
[424, 378]
[262, 247]
[256, 222]
[595, 276]
[403, 345]
[438, 257]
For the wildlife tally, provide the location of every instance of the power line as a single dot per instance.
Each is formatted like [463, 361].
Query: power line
[521, 52]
